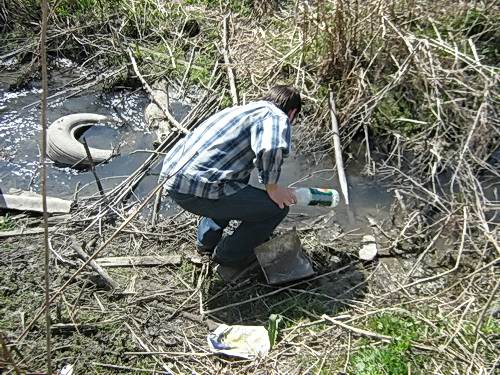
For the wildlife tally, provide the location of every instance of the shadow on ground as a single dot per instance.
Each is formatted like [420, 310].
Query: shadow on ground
[252, 300]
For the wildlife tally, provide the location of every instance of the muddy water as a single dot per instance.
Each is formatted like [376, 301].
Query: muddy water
[368, 196]
[19, 152]
[20, 138]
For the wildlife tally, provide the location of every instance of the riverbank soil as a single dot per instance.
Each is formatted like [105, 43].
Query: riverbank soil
[415, 88]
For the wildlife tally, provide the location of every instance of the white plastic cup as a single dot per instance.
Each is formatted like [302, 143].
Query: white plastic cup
[317, 197]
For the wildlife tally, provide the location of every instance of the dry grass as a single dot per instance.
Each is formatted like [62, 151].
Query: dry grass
[417, 86]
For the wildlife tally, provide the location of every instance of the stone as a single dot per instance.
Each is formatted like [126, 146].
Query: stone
[369, 249]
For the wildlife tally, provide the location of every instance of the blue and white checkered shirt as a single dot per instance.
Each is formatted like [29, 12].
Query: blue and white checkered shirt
[216, 159]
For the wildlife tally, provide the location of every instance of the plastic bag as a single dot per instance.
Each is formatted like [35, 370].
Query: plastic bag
[247, 342]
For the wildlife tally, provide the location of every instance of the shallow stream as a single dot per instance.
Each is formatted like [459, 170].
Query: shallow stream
[20, 138]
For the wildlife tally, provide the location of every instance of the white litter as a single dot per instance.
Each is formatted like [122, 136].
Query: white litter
[369, 249]
[66, 370]
[247, 342]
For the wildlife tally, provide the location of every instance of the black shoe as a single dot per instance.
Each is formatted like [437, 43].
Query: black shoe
[204, 251]
[229, 273]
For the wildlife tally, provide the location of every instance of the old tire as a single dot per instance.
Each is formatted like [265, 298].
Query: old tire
[63, 146]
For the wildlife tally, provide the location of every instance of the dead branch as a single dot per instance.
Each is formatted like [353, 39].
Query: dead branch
[94, 265]
[227, 61]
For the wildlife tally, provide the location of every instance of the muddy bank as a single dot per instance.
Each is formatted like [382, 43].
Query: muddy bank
[158, 311]
[92, 326]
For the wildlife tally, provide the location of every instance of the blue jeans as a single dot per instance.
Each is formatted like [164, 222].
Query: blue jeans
[258, 214]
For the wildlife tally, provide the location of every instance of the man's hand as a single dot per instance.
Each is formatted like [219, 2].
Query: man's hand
[282, 196]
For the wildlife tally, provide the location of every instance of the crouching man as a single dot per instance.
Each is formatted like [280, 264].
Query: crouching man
[207, 173]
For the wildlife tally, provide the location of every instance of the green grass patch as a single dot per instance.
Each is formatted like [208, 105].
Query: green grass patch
[186, 270]
[392, 358]
[398, 326]
[6, 223]
[388, 359]
[293, 308]
[67, 8]
[491, 327]
[328, 365]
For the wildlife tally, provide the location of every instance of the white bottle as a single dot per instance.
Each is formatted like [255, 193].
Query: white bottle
[317, 197]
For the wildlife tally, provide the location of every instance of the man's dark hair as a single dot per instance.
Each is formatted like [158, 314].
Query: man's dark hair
[284, 97]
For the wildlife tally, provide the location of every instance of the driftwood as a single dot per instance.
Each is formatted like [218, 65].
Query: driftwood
[28, 201]
[62, 328]
[96, 267]
[59, 219]
[139, 261]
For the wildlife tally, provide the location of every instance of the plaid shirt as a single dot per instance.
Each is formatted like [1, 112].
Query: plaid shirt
[216, 159]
